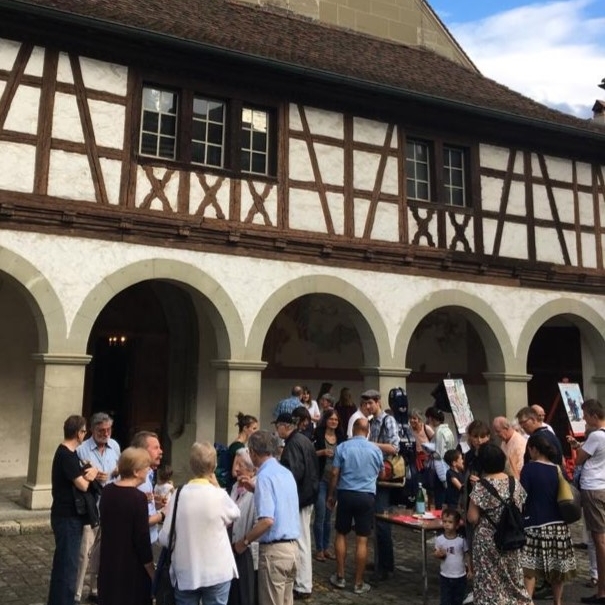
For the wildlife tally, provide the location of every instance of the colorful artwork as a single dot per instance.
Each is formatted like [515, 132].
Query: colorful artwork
[461, 410]
[571, 396]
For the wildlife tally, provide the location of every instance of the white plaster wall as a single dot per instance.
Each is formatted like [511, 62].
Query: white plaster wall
[360, 215]
[584, 172]
[306, 212]
[386, 222]
[66, 119]
[491, 192]
[337, 211]
[64, 73]
[23, 113]
[514, 241]
[69, 176]
[589, 250]
[494, 157]
[331, 163]
[299, 163]
[17, 161]
[294, 117]
[586, 207]
[8, 53]
[250, 282]
[365, 168]
[100, 75]
[548, 247]
[516, 199]
[469, 233]
[107, 123]
[326, 123]
[559, 169]
[413, 227]
[372, 132]
[112, 173]
[35, 64]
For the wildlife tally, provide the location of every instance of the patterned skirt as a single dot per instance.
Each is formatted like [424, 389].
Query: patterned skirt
[549, 553]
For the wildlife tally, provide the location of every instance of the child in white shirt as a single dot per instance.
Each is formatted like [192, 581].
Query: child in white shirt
[452, 550]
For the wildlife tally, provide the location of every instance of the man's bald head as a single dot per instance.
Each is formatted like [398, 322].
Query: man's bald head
[539, 411]
[361, 427]
[503, 428]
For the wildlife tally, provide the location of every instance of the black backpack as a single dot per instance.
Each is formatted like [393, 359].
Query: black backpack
[510, 533]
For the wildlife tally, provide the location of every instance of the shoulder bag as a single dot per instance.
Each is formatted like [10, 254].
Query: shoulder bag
[162, 588]
[393, 467]
[568, 500]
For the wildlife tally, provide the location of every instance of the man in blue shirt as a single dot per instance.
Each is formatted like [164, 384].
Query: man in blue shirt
[101, 452]
[355, 469]
[278, 527]
[287, 406]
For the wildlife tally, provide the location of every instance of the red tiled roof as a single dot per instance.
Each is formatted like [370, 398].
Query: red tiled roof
[288, 38]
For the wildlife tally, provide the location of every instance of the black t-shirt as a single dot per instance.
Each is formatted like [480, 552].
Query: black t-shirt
[66, 467]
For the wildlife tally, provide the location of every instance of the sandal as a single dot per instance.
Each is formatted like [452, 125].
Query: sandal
[329, 555]
[320, 556]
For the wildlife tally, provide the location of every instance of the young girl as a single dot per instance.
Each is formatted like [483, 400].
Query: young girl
[451, 548]
[164, 486]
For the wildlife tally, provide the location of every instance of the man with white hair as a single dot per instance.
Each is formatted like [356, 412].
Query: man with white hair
[512, 443]
[541, 416]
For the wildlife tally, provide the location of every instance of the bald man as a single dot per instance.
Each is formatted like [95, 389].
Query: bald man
[512, 443]
[541, 416]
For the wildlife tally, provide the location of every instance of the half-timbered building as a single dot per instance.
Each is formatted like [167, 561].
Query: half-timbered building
[203, 202]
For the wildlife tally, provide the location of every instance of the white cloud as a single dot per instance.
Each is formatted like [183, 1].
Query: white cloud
[552, 52]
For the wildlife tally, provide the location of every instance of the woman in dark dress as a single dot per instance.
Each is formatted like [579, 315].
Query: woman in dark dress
[126, 565]
[67, 476]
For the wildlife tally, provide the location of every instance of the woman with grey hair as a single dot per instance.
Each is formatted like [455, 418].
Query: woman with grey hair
[243, 590]
[203, 564]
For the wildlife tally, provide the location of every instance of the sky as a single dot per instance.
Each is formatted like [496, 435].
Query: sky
[550, 51]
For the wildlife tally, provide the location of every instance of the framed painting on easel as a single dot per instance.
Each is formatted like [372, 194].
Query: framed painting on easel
[461, 410]
[571, 397]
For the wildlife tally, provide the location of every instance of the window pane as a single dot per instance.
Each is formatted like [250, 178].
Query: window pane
[420, 152]
[215, 133]
[446, 176]
[200, 108]
[418, 170]
[457, 178]
[422, 191]
[410, 189]
[245, 161]
[158, 123]
[199, 130]
[149, 144]
[197, 153]
[422, 172]
[166, 147]
[259, 141]
[168, 125]
[457, 197]
[150, 121]
[259, 164]
[216, 111]
[215, 156]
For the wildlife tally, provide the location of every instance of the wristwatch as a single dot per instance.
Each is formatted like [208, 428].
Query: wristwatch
[246, 542]
[163, 517]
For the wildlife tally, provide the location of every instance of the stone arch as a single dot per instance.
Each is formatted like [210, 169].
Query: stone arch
[42, 299]
[590, 323]
[370, 325]
[496, 340]
[214, 300]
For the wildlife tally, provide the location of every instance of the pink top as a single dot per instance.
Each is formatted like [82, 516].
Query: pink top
[423, 435]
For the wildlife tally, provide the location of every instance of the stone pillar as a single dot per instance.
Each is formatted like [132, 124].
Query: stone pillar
[384, 379]
[507, 393]
[59, 385]
[238, 389]
[596, 390]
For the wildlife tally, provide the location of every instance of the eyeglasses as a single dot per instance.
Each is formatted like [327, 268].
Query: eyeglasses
[524, 421]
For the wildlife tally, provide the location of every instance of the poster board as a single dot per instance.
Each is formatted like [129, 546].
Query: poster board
[461, 410]
[571, 396]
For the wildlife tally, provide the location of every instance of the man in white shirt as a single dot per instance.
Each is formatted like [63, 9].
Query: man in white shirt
[591, 454]
[101, 452]
[362, 412]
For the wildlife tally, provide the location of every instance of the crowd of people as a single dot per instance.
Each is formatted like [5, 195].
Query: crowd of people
[112, 510]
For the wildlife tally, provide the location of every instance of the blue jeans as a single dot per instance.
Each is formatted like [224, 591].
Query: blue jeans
[210, 595]
[323, 516]
[64, 574]
[384, 559]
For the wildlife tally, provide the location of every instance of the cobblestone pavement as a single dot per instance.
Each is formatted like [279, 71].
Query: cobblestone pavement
[25, 561]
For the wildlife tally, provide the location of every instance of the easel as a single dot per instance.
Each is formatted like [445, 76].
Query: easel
[570, 462]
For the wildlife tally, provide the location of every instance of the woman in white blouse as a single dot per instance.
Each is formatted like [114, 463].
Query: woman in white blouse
[202, 560]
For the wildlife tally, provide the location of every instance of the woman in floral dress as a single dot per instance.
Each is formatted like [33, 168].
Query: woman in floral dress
[498, 576]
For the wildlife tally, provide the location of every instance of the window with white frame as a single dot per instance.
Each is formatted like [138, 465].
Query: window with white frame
[424, 160]
[219, 133]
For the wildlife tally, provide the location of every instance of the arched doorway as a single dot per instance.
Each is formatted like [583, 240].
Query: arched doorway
[139, 343]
